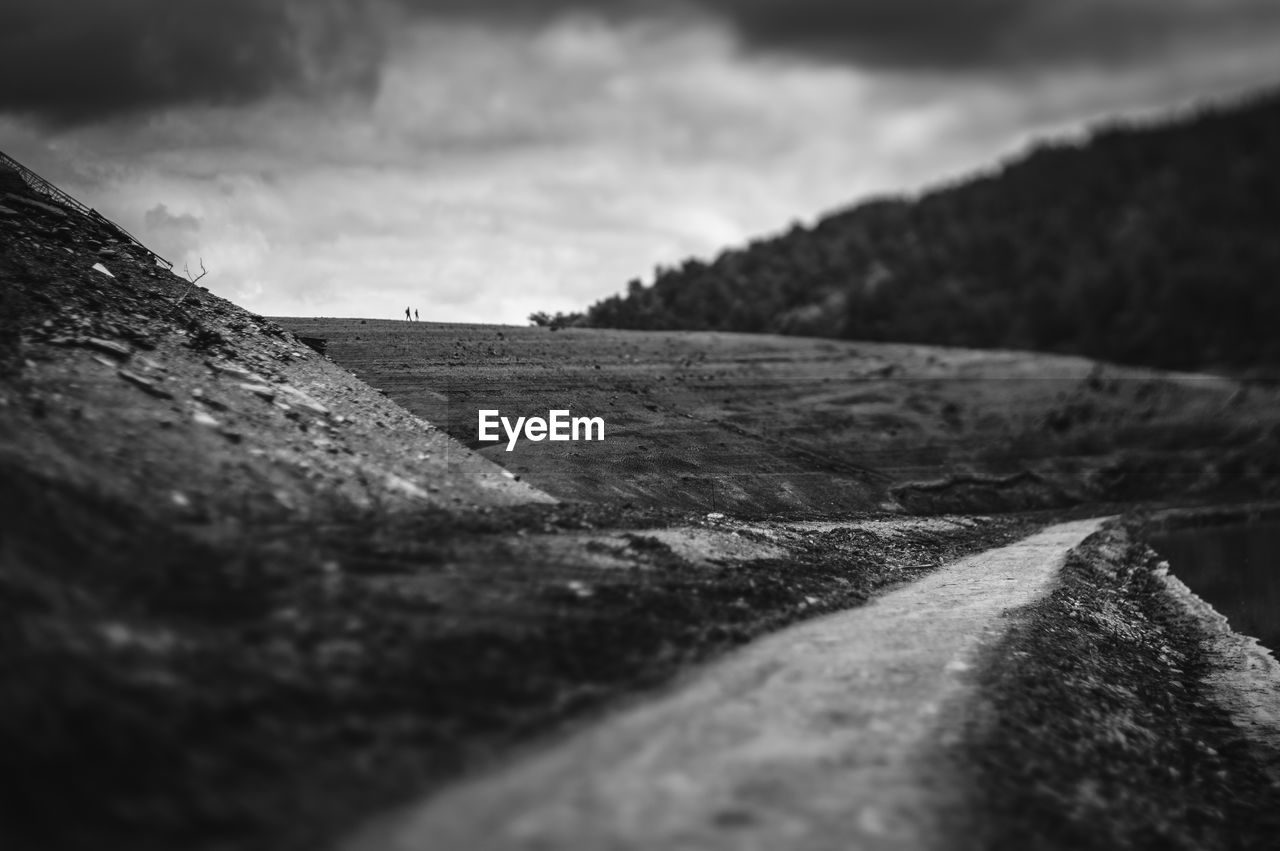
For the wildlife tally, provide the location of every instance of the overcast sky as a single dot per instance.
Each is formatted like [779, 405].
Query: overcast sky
[482, 159]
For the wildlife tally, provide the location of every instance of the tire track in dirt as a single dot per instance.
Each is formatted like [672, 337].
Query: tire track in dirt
[829, 735]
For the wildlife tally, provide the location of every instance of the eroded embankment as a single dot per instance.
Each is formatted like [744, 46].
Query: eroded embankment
[1116, 717]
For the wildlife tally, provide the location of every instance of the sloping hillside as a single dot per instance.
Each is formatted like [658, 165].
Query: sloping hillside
[753, 424]
[246, 600]
[120, 374]
[1152, 244]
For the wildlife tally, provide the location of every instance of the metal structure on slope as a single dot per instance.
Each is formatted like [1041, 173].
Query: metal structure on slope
[43, 187]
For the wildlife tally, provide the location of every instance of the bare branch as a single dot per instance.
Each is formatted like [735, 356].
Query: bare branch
[203, 272]
[187, 291]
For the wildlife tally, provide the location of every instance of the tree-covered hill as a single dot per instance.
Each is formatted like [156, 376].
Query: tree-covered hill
[1153, 244]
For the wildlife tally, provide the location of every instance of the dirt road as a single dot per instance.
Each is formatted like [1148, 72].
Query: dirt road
[829, 735]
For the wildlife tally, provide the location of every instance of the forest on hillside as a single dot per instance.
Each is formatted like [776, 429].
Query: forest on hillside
[1154, 244]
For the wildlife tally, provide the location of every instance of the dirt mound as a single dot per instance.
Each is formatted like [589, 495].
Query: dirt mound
[123, 376]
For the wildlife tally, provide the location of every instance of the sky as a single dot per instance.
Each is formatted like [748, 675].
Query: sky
[483, 160]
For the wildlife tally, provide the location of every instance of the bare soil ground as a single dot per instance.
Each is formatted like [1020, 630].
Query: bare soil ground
[1105, 722]
[246, 600]
[753, 424]
[830, 734]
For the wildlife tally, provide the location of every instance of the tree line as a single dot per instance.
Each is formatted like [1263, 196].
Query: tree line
[1154, 244]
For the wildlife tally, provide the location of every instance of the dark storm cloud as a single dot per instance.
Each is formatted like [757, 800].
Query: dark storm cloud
[984, 35]
[75, 60]
[978, 35]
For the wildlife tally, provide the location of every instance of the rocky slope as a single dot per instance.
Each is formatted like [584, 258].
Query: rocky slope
[121, 374]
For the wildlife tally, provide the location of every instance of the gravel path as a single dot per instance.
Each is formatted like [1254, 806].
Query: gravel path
[827, 735]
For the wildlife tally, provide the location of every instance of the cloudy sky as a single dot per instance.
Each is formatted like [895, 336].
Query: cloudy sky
[482, 159]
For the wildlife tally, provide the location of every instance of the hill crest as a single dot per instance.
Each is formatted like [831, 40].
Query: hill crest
[1149, 244]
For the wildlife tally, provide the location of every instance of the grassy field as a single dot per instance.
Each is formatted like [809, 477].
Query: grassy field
[758, 424]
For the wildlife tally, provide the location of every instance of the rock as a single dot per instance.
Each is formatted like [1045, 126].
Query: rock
[235, 371]
[261, 390]
[121, 635]
[204, 399]
[111, 347]
[144, 384]
[302, 400]
[405, 487]
[98, 267]
[204, 419]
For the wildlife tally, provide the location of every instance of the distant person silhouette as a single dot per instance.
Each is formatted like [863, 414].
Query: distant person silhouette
[415, 314]
[406, 314]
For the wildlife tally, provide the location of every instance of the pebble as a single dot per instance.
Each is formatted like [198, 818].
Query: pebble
[403, 486]
[235, 371]
[111, 347]
[302, 400]
[204, 399]
[145, 384]
[261, 390]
